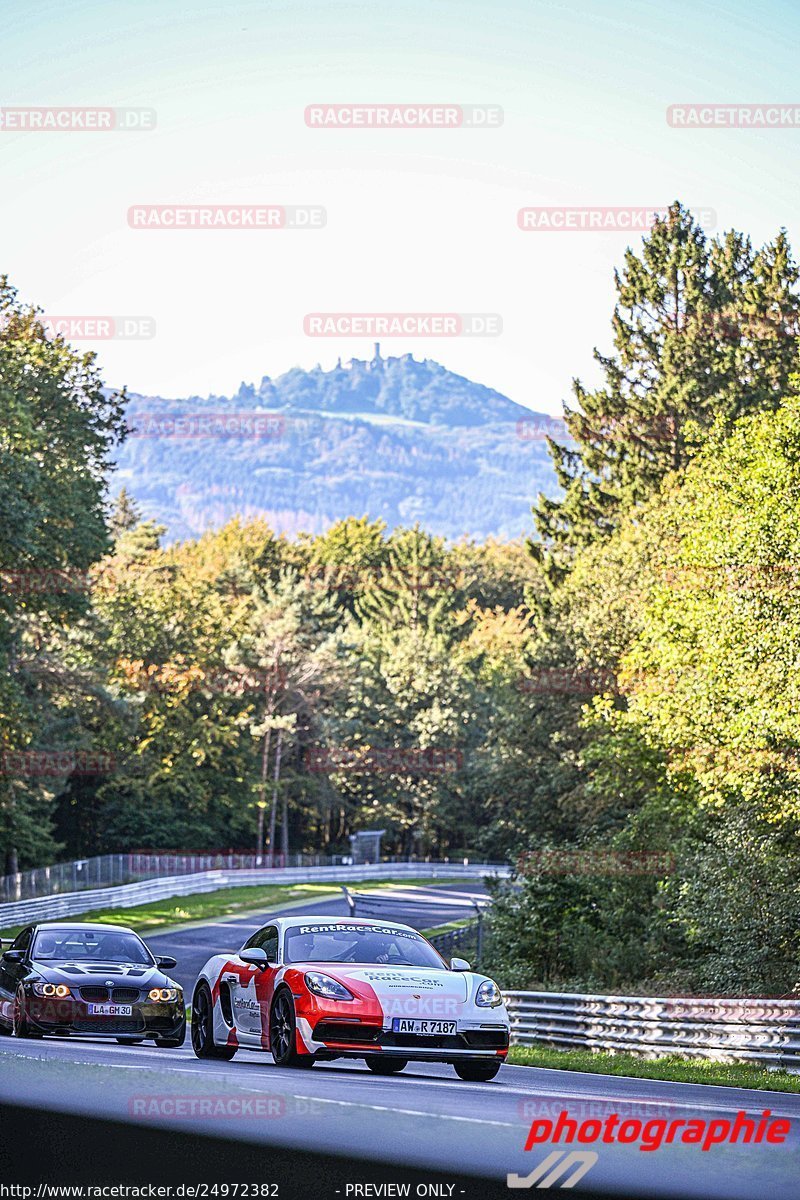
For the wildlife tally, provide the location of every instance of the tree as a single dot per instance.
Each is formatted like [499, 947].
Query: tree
[702, 330]
[57, 430]
[285, 647]
[125, 515]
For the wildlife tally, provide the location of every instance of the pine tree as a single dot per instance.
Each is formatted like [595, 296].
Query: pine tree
[702, 330]
[126, 514]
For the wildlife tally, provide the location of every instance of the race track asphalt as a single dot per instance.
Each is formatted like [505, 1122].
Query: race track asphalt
[425, 1117]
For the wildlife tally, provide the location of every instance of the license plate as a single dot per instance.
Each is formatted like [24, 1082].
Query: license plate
[425, 1028]
[110, 1010]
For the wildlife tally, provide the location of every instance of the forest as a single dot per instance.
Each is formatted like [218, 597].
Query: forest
[611, 705]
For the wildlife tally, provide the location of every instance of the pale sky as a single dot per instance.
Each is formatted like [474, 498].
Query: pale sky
[417, 220]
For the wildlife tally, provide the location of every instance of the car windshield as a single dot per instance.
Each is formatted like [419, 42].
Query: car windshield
[372, 944]
[95, 945]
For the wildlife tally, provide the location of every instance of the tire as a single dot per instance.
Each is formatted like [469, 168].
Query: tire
[130, 1041]
[171, 1043]
[203, 1027]
[385, 1066]
[20, 1027]
[282, 1033]
[476, 1072]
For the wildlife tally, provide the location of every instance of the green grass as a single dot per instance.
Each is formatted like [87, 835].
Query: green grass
[449, 928]
[205, 906]
[675, 1068]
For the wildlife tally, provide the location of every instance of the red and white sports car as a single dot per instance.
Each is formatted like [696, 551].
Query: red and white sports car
[312, 989]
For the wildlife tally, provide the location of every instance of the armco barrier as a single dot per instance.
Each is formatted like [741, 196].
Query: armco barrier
[54, 908]
[727, 1030]
[109, 870]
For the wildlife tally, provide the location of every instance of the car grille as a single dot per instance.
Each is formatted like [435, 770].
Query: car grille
[124, 995]
[470, 1039]
[94, 993]
[341, 1031]
[119, 995]
[486, 1039]
[110, 1025]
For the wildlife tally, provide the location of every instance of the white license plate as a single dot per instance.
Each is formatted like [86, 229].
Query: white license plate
[110, 1010]
[425, 1028]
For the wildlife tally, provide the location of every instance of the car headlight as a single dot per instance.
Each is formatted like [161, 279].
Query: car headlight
[323, 985]
[55, 991]
[488, 994]
[163, 994]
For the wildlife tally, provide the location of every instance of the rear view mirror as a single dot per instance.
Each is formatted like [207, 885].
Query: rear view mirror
[14, 956]
[459, 964]
[166, 961]
[255, 956]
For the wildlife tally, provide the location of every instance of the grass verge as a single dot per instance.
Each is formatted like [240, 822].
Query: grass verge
[158, 915]
[449, 928]
[673, 1068]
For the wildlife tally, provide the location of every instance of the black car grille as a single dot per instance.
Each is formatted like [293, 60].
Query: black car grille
[109, 1025]
[94, 993]
[119, 995]
[341, 1031]
[124, 995]
[469, 1039]
[486, 1039]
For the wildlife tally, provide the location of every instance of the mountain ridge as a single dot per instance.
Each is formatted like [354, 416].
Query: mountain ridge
[394, 438]
[396, 385]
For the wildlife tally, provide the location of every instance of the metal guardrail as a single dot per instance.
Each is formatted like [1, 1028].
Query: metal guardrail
[104, 870]
[720, 1030]
[466, 940]
[110, 870]
[53, 908]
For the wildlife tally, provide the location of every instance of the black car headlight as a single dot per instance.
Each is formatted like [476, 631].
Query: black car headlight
[488, 995]
[323, 985]
[53, 991]
[163, 994]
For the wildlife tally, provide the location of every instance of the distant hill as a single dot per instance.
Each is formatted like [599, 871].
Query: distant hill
[389, 438]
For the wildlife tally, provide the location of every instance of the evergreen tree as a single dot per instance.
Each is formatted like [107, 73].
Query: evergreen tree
[701, 330]
[125, 515]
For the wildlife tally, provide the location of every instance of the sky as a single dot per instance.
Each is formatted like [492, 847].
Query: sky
[417, 220]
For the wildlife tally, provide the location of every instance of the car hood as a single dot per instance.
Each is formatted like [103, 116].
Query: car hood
[83, 974]
[387, 982]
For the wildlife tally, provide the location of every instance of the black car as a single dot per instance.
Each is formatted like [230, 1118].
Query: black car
[97, 980]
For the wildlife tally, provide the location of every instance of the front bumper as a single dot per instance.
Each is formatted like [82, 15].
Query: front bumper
[339, 1038]
[149, 1019]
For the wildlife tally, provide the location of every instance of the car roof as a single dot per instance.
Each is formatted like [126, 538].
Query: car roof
[328, 919]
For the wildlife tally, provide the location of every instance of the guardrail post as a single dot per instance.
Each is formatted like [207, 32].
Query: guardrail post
[479, 935]
[351, 904]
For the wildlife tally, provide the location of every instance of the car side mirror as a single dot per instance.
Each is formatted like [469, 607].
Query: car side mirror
[14, 956]
[166, 961]
[255, 956]
[459, 964]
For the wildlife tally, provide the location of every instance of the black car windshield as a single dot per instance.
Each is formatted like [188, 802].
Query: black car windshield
[90, 945]
[372, 944]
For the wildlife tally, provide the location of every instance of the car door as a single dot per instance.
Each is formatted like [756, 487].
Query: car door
[12, 973]
[251, 987]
